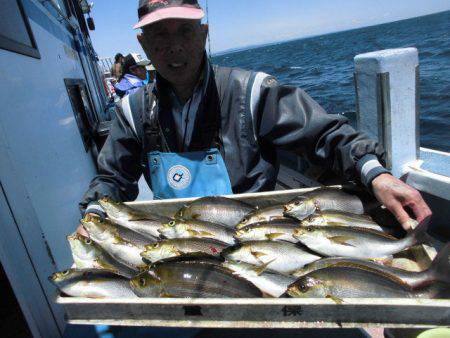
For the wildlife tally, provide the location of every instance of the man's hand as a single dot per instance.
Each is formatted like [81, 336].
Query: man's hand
[396, 195]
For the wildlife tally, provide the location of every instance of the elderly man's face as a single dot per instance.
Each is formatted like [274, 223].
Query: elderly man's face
[176, 48]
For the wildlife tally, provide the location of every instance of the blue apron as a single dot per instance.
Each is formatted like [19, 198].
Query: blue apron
[186, 174]
[189, 174]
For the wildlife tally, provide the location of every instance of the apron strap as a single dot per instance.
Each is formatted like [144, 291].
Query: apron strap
[154, 139]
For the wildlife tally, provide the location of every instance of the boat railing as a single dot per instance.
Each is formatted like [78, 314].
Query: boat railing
[388, 108]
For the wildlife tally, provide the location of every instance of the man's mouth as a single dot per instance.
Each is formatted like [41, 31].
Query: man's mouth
[177, 65]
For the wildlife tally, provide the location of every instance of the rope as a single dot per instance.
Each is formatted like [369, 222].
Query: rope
[209, 35]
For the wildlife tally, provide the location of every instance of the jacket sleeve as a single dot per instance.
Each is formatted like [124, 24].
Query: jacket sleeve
[119, 167]
[290, 119]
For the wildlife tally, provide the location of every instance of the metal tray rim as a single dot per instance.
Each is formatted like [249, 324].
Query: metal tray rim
[256, 301]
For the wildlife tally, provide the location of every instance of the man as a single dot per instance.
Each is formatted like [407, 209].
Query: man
[135, 75]
[116, 69]
[206, 130]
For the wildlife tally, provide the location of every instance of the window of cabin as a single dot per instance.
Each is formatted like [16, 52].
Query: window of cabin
[15, 31]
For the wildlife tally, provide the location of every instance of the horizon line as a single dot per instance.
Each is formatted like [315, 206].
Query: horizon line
[267, 44]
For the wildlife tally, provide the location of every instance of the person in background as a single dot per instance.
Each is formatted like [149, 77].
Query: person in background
[151, 74]
[116, 70]
[135, 75]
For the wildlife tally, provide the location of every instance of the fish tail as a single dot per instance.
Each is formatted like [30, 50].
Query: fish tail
[440, 267]
[419, 234]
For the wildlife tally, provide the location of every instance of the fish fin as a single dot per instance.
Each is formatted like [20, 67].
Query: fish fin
[165, 294]
[335, 299]
[274, 236]
[383, 261]
[260, 269]
[104, 265]
[176, 251]
[342, 240]
[258, 254]
[193, 233]
[206, 234]
[140, 217]
[440, 267]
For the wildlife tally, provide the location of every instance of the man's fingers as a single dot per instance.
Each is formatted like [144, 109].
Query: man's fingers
[421, 211]
[402, 216]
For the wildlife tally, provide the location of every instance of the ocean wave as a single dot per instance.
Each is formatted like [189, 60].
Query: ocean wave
[324, 66]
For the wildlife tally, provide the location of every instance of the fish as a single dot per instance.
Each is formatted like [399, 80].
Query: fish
[92, 283]
[332, 217]
[324, 199]
[278, 230]
[192, 279]
[182, 246]
[282, 257]
[357, 242]
[144, 223]
[270, 283]
[337, 283]
[122, 244]
[89, 255]
[439, 270]
[268, 214]
[196, 229]
[218, 210]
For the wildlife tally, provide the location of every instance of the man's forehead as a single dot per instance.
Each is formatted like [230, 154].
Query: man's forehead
[170, 24]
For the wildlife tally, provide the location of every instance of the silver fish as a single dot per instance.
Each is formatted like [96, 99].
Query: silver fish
[279, 230]
[192, 279]
[324, 199]
[182, 246]
[122, 244]
[270, 283]
[282, 257]
[439, 270]
[340, 218]
[144, 223]
[92, 283]
[357, 242]
[337, 283]
[262, 215]
[89, 255]
[196, 229]
[218, 210]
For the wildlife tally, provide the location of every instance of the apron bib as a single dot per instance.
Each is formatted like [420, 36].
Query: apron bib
[189, 174]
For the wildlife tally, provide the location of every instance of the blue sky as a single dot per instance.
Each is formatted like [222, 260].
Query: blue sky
[240, 23]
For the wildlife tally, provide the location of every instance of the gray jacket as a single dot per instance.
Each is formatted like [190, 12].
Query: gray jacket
[248, 115]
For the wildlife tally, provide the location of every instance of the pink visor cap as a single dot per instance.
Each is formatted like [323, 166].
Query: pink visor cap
[151, 11]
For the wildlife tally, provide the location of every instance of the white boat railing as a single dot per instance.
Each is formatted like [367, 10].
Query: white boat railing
[387, 86]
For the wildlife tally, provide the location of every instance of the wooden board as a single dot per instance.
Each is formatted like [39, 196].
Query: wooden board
[259, 313]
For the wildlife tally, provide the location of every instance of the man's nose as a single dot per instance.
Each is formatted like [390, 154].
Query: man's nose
[176, 49]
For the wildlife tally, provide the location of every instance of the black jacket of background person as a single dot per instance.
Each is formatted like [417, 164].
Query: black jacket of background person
[255, 116]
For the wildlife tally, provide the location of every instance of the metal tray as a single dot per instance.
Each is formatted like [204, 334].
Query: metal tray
[264, 312]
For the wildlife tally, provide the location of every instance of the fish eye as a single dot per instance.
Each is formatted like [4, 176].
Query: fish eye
[88, 241]
[297, 203]
[303, 287]
[142, 281]
[66, 272]
[156, 245]
[244, 220]
[309, 229]
[172, 223]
